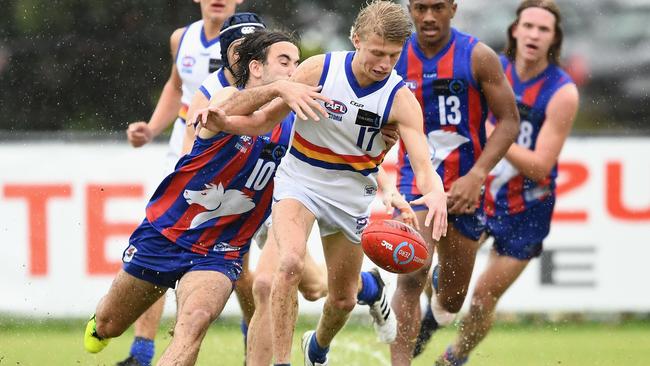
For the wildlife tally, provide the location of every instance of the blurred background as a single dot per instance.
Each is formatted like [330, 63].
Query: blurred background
[74, 73]
[70, 65]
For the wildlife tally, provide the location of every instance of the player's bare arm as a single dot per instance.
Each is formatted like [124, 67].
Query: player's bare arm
[560, 113]
[215, 119]
[199, 101]
[406, 111]
[140, 132]
[464, 194]
[299, 94]
[212, 119]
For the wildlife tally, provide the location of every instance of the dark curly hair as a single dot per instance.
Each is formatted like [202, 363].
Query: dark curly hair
[255, 47]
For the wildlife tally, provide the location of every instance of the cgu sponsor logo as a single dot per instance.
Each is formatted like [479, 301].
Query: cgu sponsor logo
[404, 253]
[336, 107]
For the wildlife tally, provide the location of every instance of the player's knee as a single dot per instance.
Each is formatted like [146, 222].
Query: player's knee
[262, 287]
[343, 303]
[290, 267]
[312, 292]
[195, 322]
[453, 303]
[107, 327]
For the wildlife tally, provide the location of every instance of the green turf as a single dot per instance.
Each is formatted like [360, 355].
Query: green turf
[26, 342]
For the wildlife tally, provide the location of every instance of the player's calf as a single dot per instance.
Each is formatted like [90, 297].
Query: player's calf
[442, 316]
[431, 321]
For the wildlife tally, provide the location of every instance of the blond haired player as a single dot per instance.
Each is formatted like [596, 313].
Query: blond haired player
[329, 176]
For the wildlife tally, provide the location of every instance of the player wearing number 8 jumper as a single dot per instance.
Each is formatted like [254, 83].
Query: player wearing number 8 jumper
[520, 191]
[455, 79]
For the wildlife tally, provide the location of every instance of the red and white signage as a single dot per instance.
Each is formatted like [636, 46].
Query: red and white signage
[66, 211]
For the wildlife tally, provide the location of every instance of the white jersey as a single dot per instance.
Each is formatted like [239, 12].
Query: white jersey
[196, 58]
[337, 158]
[213, 83]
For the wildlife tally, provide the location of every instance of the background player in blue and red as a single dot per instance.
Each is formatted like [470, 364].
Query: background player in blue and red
[455, 78]
[520, 191]
[232, 33]
[195, 51]
[198, 225]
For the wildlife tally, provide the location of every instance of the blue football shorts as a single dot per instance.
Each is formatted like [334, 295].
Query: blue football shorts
[521, 235]
[152, 257]
[471, 226]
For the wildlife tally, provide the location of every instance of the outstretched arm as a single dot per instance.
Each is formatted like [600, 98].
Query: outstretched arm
[407, 112]
[212, 119]
[299, 94]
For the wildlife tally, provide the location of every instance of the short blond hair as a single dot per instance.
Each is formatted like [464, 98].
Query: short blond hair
[385, 19]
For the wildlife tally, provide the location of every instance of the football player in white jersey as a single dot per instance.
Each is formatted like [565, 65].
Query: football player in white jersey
[329, 176]
[196, 52]
[313, 285]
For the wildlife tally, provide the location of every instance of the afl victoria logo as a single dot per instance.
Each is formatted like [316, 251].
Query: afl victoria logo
[336, 107]
[188, 61]
[411, 84]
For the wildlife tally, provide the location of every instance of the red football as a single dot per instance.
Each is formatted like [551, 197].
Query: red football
[394, 246]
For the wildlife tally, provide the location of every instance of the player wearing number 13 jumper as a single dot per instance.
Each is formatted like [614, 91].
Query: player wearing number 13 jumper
[520, 191]
[456, 79]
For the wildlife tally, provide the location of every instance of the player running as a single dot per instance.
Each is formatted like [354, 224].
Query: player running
[199, 224]
[520, 191]
[455, 78]
[196, 52]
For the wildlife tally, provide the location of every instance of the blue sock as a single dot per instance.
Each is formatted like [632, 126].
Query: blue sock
[316, 352]
[370, 290]
[244, 331]
[449, 356]
[142, 349]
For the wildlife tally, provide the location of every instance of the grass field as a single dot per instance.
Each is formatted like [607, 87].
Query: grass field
[58, 342]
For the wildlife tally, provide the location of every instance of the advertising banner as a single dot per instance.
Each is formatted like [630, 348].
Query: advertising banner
[67, 210]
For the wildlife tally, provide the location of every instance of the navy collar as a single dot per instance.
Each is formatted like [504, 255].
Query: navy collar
[207, 43]
[354, 84]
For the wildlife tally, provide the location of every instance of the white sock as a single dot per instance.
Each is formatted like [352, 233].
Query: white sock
[442, 316]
